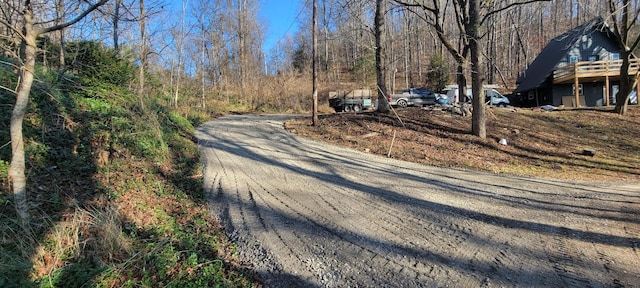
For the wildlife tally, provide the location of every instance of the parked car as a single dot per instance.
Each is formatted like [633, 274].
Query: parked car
[414, 97]
[492, 96]
[443, 99]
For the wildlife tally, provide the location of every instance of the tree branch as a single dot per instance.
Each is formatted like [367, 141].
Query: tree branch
[635, 44]
[73, 21]
[508, 7]
[419, 5]
[614, 20]
[12, 28]
[458, 55]
[634, 20]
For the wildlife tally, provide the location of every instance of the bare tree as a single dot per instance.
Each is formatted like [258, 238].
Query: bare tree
[381, 65]
[242, 32]
[203, 60]
[115, 22]
[142, 21]
[180, 42]
[325, 29]
[60, 18]
[472, 27]
[470, 17]
[624, 16]
[28, 32]
[435, 16]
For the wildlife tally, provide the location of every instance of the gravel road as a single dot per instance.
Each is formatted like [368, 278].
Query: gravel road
[309, 214]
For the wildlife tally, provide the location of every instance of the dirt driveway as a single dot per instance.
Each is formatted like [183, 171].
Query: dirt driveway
[309, 214]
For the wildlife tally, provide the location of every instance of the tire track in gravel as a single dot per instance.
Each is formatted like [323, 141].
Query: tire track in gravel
[386, 225]
[316, 218]
[308, 214]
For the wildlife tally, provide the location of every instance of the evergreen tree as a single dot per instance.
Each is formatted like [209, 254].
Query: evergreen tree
[438, 75]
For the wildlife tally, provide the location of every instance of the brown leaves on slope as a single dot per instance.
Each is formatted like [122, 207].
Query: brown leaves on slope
[540, 144]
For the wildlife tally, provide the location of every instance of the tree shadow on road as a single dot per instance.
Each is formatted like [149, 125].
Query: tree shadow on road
[289, 147]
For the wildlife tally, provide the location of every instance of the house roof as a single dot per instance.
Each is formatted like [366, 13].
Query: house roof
[550, 56]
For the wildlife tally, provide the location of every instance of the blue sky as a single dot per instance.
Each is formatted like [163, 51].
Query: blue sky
[280, 16]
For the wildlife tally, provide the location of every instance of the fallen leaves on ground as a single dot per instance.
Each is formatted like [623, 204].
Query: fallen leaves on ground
[547, 144]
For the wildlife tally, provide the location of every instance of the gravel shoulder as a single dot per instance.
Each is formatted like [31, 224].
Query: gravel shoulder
[311, 214]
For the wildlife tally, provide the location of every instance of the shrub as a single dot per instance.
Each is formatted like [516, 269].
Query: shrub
[96, 62]
[181, 123]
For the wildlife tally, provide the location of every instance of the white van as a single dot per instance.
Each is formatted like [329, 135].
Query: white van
[452, 93]
[492, 96]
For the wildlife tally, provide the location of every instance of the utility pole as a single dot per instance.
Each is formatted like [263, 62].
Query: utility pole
[315, 63]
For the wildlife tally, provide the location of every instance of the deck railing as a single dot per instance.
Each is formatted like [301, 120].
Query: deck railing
[586, 69]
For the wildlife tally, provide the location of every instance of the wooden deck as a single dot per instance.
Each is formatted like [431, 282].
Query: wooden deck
[592, 69]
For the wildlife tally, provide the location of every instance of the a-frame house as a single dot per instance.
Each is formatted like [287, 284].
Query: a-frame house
[586, 57]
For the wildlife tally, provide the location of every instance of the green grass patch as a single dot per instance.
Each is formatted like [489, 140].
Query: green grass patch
[117, 190]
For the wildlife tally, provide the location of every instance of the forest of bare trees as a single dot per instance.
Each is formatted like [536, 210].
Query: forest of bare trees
[213, 50]
[210, 57]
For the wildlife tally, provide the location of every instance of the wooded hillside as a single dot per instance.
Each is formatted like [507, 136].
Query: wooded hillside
[100, 180]
[211, 51]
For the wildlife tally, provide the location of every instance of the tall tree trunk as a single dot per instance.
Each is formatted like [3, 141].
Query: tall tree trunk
[17, 167]
[622, 98]
[325, 28]
[143, 53]
[180, 51]
[408, 73]
[491, 44]
[116, 20]
[625, 83]
[60, 15]
[478, 126]
[203, 100]
[381, 69]
[16, 173]
[461, 80]
[242, 47]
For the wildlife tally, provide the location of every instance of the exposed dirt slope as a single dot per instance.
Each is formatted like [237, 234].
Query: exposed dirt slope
[539, 143]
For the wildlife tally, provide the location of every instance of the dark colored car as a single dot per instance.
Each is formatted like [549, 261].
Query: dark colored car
[414, 97]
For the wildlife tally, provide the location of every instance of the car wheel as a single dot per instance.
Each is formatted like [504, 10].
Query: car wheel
[502, 105]
[347, 108]
[402, 103]
[357, 108]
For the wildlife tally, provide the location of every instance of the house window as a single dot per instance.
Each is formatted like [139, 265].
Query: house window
[573, 59]
[573, 89]
[615, 56]
[593, 58]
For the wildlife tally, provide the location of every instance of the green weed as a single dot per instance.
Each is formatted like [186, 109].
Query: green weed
[135, 217]
[4, 169]
[181, 123]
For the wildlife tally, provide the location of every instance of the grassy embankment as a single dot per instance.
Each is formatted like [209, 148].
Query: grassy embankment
[115, 190]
